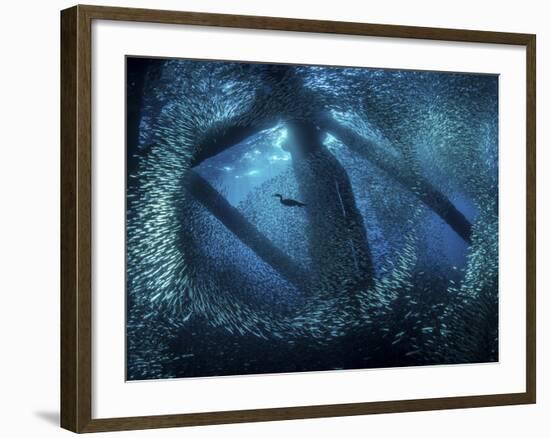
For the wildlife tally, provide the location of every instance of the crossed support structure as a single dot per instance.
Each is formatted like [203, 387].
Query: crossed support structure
[335, 230]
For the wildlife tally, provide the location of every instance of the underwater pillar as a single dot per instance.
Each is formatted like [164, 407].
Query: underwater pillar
[425, 190]
[246, 232]
[336, 235]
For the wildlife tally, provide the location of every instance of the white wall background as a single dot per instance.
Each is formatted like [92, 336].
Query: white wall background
[29, 218]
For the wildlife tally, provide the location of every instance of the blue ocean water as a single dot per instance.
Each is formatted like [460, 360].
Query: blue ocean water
[286, 218]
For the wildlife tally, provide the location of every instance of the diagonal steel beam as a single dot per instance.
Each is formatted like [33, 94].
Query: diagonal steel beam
[245, 231]
[426, 192]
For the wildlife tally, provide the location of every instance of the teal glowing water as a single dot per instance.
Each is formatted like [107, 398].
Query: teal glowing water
[393, 261]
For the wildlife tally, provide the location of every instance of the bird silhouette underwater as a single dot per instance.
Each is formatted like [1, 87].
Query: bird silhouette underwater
[289, 202]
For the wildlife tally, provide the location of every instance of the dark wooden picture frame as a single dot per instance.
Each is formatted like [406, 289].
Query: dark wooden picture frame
[76, 218]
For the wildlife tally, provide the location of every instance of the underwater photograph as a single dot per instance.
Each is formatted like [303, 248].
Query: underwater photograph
[286, 218]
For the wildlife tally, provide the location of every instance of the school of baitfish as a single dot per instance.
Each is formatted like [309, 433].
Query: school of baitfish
[202, 302]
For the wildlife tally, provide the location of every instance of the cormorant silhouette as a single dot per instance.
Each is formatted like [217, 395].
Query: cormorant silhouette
[289, 202]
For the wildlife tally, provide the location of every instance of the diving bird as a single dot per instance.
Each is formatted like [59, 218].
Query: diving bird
[289, 202]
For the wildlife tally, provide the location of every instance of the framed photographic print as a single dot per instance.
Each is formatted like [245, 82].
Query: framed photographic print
[268, 218]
